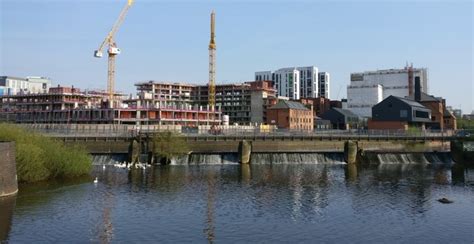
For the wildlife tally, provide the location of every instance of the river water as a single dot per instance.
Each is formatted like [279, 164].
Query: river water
[269, 203]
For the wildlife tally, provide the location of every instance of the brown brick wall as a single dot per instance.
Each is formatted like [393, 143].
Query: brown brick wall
[8, 179]
[293, 119]
[387, 125]
[436, 112]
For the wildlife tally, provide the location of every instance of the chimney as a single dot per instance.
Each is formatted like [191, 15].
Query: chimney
[417, 89]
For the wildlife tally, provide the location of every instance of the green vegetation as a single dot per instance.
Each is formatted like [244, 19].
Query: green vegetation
[40, 158]
[167, 145]
[465, 124]
[414, 131]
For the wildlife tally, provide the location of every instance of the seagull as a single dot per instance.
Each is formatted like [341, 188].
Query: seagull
[96, 180]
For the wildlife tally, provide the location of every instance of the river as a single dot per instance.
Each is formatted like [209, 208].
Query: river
[269, 203]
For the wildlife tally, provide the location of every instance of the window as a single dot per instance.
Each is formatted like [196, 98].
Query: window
[403, 113]
[422, 114]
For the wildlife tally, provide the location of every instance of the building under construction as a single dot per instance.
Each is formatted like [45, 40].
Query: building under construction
[70, 105]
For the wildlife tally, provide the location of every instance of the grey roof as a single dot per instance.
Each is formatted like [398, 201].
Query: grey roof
[426, 98]
[410, 102]
[447, 113]
[289, 104]
[345, 112]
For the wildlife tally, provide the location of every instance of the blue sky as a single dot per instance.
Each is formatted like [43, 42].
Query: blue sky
[167, 40]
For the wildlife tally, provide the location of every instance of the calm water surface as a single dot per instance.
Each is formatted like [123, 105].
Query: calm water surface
[258, 203]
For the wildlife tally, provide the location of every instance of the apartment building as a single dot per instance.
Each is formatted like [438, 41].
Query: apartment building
[298, 82]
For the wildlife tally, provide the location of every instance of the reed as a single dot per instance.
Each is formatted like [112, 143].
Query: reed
[41, 158]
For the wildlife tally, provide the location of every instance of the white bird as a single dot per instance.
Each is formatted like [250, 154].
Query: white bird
[103, 166]
[96, 180]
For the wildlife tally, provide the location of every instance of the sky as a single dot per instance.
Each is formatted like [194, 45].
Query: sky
[168, 41]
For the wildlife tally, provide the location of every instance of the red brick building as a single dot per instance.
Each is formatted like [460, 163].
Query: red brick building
[290, 115]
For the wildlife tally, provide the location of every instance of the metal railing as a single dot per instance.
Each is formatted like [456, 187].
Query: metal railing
[113, 130]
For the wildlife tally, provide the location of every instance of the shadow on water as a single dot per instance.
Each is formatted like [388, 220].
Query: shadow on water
[7, 205]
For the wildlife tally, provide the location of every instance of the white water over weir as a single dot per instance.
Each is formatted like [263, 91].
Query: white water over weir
[413, 158]
[288, 158]
[261, 158]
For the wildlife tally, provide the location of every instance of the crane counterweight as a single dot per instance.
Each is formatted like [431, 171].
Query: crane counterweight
[98, 54]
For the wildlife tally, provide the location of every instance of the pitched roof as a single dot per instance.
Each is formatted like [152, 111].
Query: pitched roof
[345, 112]
[289, 104]
[410, 102]
[426, 98]
[448, 114]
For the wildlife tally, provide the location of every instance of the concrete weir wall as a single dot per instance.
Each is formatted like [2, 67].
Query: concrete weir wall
[8, 178]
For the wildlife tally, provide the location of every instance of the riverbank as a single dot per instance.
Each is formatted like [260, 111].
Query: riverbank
[40, 158]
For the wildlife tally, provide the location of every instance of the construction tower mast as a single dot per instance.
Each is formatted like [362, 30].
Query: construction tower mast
[212, 66]
[112, 51]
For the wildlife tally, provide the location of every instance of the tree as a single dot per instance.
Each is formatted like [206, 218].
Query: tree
[167, 145]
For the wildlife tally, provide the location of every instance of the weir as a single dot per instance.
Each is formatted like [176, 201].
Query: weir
[334, 158]
[247, 147]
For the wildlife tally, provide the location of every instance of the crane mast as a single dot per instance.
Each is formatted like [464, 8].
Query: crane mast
[112, 51]
[212, 66]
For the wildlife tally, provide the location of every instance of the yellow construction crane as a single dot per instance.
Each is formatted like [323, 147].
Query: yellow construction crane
[212, 66]
[112, 50]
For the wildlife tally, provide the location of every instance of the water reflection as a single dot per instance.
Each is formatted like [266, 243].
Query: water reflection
[230, 203]
[7, 205]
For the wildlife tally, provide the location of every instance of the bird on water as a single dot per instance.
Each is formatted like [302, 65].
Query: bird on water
[444, 200]
[96, 180]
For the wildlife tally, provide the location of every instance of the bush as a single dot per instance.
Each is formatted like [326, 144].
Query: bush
[167, 145]
[40, 158]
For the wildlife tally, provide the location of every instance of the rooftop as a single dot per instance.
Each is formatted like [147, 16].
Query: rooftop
[345, 112]
[410, 102]
[289, 105]
[426, 98]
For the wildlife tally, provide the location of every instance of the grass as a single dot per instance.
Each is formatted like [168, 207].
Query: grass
[40, 158]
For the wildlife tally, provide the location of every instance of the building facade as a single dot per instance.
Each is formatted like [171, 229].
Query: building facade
[10, 85]
[165, 93]
[341, 119]
[244, 103]
[369, 88]
[396, 113]
[69, 105]
[297, 82]
[324, 85]
[291, 115]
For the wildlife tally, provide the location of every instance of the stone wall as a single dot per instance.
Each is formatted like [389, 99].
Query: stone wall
[8, 178]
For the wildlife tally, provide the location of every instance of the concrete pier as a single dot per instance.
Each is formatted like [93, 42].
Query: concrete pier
[8, 177]
[245, 149]
[350, 152]
[7, 206]
[134, 151]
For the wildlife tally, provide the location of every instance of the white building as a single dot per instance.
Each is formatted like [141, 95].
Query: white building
[324, 81]
[369, 88]
[297, 82]
[10, 85]
[287, 83]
